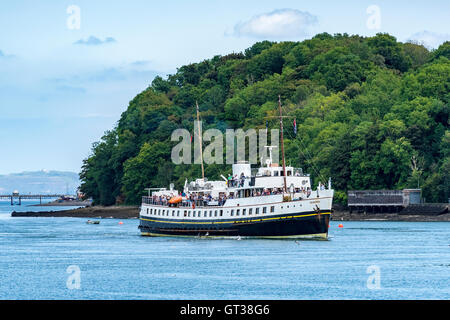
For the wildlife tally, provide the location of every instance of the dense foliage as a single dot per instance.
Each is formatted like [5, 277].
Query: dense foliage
[372, 113]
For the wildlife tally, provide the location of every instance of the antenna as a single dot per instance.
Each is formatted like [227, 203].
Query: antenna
[282, 143]
[270, 160]
[201, 143]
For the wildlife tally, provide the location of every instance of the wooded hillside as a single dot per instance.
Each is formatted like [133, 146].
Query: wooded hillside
[372, 113]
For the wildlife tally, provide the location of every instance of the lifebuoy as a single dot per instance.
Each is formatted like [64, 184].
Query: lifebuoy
[175, 200]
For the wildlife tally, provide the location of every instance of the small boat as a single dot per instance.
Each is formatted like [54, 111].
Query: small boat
[92, 222]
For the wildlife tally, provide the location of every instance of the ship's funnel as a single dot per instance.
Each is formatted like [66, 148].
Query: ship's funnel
[239, 168]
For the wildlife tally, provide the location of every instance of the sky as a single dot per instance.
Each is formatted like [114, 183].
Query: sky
[68, 69]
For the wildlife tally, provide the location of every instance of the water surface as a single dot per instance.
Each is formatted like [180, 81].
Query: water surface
[115, 262]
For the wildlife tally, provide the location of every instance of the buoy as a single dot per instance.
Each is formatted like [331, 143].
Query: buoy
[341, 226]
[120, 222]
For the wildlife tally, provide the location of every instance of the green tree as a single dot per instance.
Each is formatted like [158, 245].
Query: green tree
[139, 172]
[392, 51]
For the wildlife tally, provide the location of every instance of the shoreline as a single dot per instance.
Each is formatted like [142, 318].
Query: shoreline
[132, 212]
[63, 204]
[347, 216]
[113, 212]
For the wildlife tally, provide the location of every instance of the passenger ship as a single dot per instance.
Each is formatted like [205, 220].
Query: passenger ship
[271, 202]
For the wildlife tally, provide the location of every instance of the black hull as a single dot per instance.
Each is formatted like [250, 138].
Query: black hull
[304, 225]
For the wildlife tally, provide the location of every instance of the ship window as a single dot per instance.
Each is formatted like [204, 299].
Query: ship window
[178, 213]
[232, 212]
[206, 214]
[275, 173]
[238, 211]
[173, 213]
[215, 213]
[210, 213]
[244, 211]
[189, 214]
[264, 210]
[250, 211]
[147, 210]
[193, 214]
[272, 208]
[185, 213]
[159, 212]
[256, 210]
[221, 213]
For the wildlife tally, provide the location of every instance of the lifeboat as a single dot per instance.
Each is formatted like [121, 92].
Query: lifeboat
[175, 200]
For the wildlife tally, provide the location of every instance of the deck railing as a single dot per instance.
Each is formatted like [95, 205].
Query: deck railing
[184, 203]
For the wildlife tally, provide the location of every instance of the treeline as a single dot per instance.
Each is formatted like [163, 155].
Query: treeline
[372, 113]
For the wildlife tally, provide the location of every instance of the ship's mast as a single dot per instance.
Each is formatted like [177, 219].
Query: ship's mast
[201, 143]
[282, 143]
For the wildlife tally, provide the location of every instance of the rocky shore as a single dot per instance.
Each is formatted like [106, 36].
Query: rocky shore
[113, 212]
[347, 216]
[64, 204]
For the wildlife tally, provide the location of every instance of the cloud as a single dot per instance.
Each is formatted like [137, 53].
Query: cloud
[429, 39]
[71, 89]
[282, 23]
[6, 56]
[94, 41]
[77, 83]
[96, 115]
[140, 63]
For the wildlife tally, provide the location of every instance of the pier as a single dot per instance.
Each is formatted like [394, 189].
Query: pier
[30, 197]
[377, 201]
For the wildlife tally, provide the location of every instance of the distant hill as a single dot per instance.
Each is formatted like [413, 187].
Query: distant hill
[40, 182]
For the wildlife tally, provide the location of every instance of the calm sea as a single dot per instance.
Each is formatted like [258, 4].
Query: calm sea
[65, 258]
